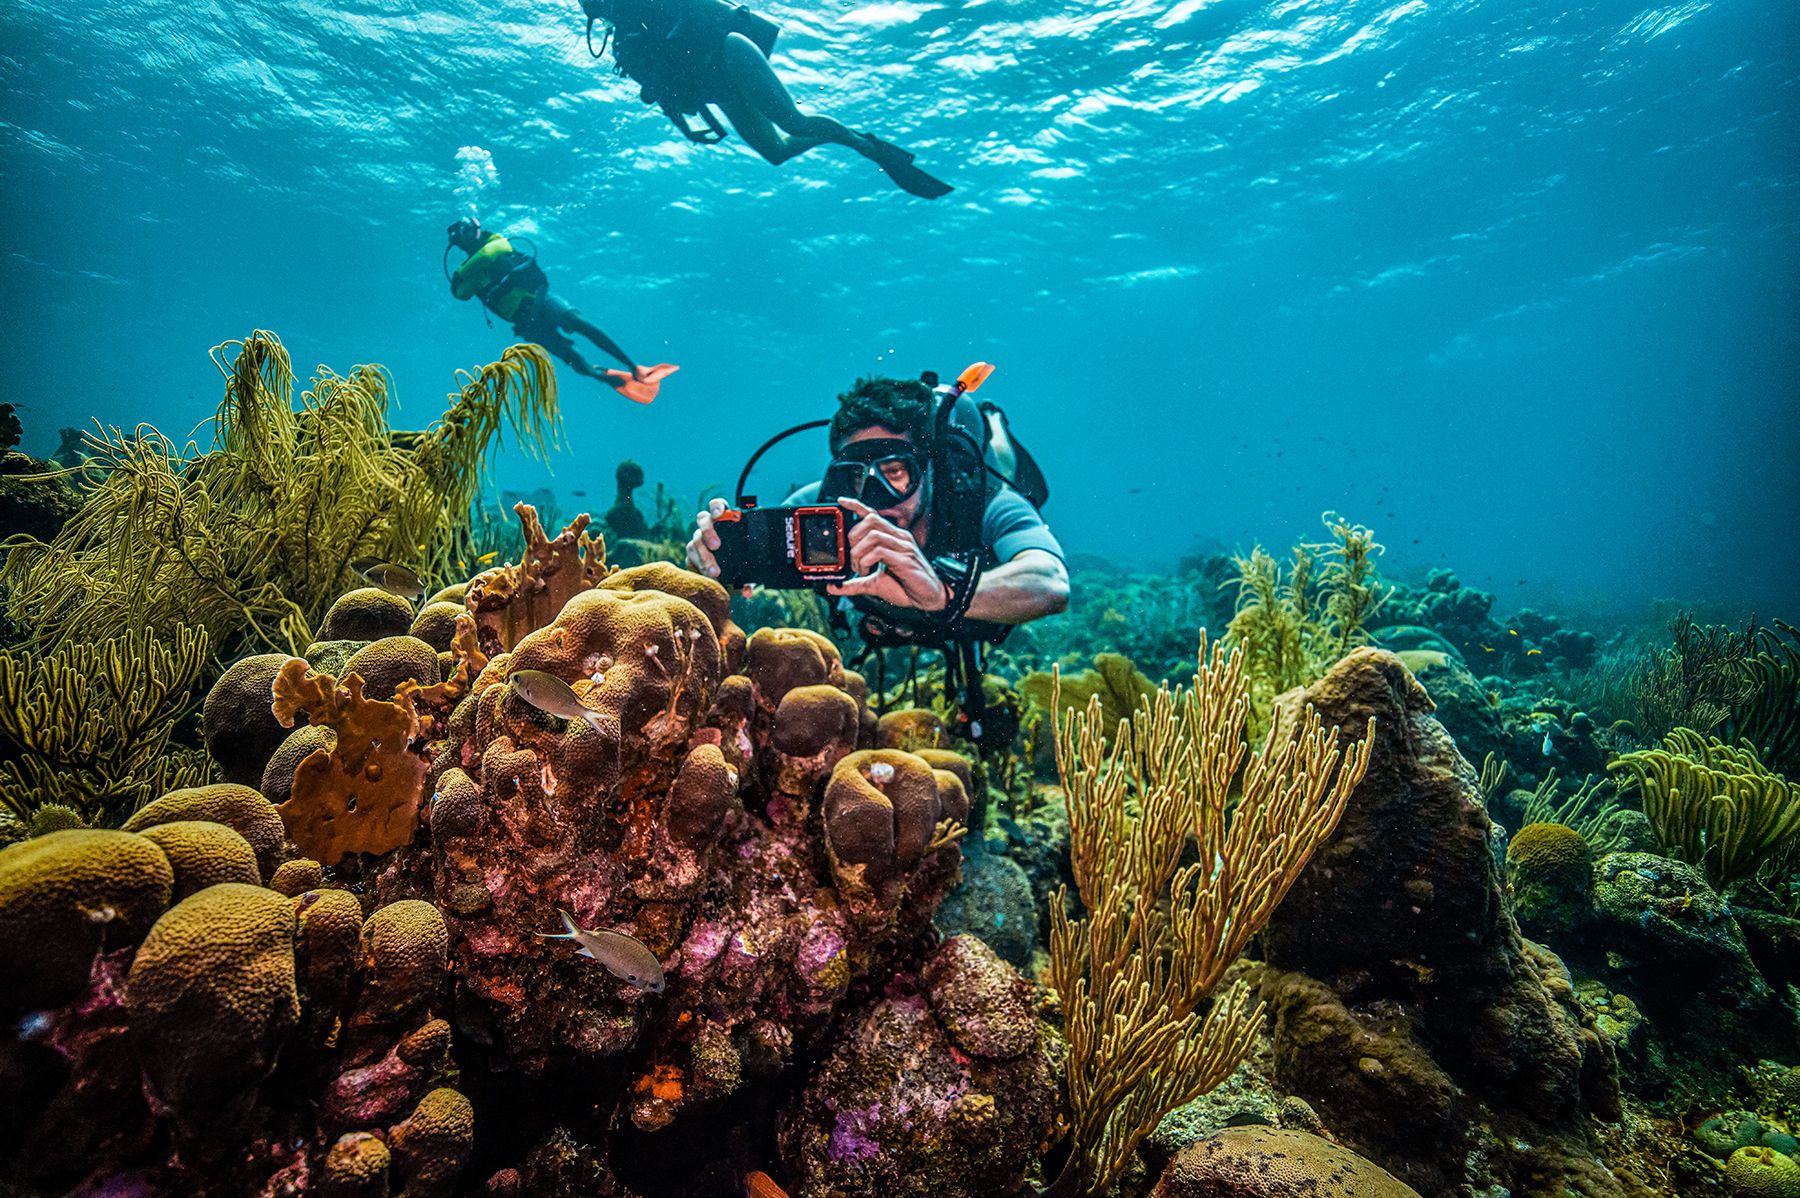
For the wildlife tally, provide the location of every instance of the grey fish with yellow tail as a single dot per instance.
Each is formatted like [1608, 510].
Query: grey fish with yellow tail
[395, 579]
[624, 956]
[547, 692]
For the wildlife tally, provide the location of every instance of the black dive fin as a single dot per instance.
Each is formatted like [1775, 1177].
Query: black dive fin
[897, 164]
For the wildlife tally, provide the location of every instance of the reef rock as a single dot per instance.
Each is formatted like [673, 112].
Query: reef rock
[1269, 1162]
[1407, 1008]
[941, 1090]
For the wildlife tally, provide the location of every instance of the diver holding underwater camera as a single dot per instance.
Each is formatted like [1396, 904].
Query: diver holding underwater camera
[925, 522]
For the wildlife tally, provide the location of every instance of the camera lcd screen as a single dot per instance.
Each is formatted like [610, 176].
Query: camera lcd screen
[819, 539]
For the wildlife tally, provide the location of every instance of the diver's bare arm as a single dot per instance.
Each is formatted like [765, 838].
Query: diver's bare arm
[1034, 583]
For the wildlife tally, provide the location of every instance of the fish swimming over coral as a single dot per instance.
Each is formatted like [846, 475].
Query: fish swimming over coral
[395, 579]
[622, 955]
[551, 694]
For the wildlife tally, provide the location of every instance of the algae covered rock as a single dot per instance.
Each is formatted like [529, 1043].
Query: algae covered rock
[66, 896]
[1269, 1162]
[994, 902]
[935, 1095]
[210, 998]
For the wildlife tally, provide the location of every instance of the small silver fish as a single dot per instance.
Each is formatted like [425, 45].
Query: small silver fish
[395, 579]
[621, 955]
[547, 692]
[1549, 748]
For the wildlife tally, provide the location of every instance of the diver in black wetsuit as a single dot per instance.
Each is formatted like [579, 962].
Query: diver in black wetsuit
[691, 55]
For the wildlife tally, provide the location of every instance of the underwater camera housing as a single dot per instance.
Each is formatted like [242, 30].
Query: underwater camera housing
[784, 547]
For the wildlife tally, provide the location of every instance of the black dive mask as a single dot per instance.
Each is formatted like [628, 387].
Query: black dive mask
[465, 234]
[883, 472]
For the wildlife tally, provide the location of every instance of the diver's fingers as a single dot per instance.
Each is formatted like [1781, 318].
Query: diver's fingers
[879, 545]
[704, 532]
[716, 507]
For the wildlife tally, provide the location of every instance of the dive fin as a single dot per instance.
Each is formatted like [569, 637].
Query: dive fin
[897, 164]
[643, 386]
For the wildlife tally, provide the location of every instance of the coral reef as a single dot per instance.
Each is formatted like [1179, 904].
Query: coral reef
[1550, 877]
[944, 1088]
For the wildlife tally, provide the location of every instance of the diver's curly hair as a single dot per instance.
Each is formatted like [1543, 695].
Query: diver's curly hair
[904, 405]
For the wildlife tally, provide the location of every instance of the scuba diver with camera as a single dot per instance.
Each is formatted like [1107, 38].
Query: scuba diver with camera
[925, 522]
[510, 284]
[690, 56]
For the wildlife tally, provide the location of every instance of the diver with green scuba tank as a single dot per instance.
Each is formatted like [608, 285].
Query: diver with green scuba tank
[510, 284]
[692, 56]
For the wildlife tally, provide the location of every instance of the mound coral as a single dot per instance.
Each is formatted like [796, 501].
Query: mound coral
[239, 808]
[1158, 935]
[242, 732]
[210, 997]
[203, 854]
[88, 725]
[1550, 873]
[1713, 805]
[67, 895]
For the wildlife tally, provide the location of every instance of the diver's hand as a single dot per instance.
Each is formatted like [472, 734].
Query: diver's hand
[705, 540]
[889, 564]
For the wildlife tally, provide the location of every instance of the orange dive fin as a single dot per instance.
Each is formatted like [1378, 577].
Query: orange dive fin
[972, 378]
[644, 385]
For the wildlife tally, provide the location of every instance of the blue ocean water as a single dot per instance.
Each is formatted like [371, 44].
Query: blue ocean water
[1514, 283]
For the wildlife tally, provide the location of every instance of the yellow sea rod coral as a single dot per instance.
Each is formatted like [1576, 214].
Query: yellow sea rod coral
[1156, 936]
[204, 854]
[210, 998]
[1715, 805]
[65, 896]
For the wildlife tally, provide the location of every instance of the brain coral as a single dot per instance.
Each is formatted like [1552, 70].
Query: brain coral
[1550, 873]
[1268, 1162]
[404, 949]
[366, 614]
[210, 997]
[301, 743]
[356, 1167]
[239, 808]
[384, 664]
[436, 623]
[1762, 1172]
[433, 1143]
[65, 895]
[203, 854]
